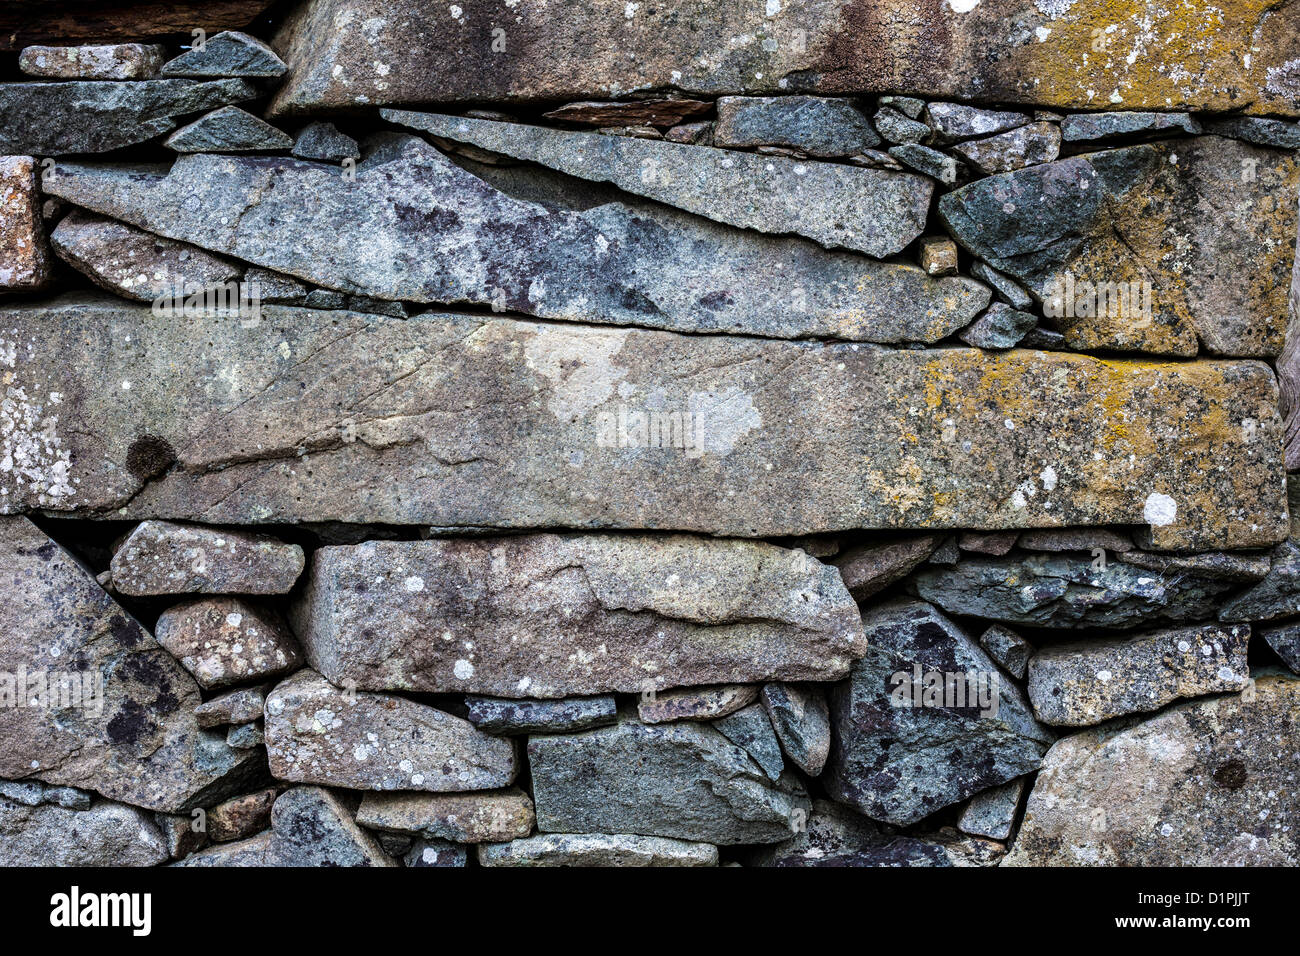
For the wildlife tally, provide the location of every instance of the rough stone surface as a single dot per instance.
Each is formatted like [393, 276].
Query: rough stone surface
[1238, 566]
[530, 244]
[1276, 596]
[242, 816]
[436, 853]
[751, 730]
[500, 716]
[801, 720]
[597, 849]
[160, 557]
[228, 130]
[1015, 149]
[311, 827]
[1285, 642]
[107, 834]
[133, 263]
[116, 713]
[1064, 591]
[1086, 682]
[837, 206]
[241, 853]
[682, 780]
[902, 439]
[245, 736]
[1084, 127]
[1001, 327]
[1261, 132]
[1009, 649]
[317, 733]
[938, 256]
[1079, 539]
[898, 762]
[24, 257]
[898, 128]
[993, 813]
[953, 122]
[927, 161]
[228, 54]
[818, 126]
[1180, 216]
[488, 817]
[650, 112]
[225, 641]
[240, 706]
[996, 543]
[116, 61]
[553, 616]
[46, 119]
[695, 703]
[323, 141]
[871, 568]
[1218, 788]
[33, 793]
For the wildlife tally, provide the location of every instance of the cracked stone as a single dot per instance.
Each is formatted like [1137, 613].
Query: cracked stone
[750, 729]
[801, 720]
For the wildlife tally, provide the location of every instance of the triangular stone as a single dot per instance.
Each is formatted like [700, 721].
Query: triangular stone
[228, 130]
[228, 54]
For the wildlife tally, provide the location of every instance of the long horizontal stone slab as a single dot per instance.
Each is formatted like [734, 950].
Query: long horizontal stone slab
[415, 226]
[463, 421]
[1086, 54]
[62, 21]
[557, 615]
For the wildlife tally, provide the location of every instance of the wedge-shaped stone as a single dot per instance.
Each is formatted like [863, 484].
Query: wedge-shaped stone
[1162, 57]
[107, 709]
[552, 616]
[414, 226]
[317, 733]
[1086, 682]
[683, 780]
[485, 817]
[228, 54]
[1205, 783]
[228, 130]
[1276, 596]
[90, 117]
[1189, 219]
[597, 849]
[478, 421]
[868, 210]
[925, 719]
[225, 641]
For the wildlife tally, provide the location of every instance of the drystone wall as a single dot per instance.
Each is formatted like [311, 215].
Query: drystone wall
[801, 433]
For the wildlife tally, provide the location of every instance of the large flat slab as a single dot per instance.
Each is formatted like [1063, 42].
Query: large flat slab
[1085, 54]
[464, 421]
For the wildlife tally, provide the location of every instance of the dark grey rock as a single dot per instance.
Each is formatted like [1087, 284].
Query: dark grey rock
[323, 141]
[325, 299]
[496, 715]
[310, 827]
[228, 54]
[909, 106]
[1079, 127]
[695, 703]
[952, 122]
[1000, 327]
[1084, 539]
[106, 834]
[1236, 566]
[364, 303]
[436, 853]
[228, 130]
[818, 126]
[1007, 288]
[909, 740]
[44, 119]
[1067, 591]
[1015, 149]
[703, 787]
[929, 161]
[1008, 648]
[648, 112]
[597, 849]
[274, 286]
[1285, 642]
[160, 557]
[1257, 130]
[871, 568]
[1277, 595]
[245, 737]
[992, 813]
[898, 128]
[182, 833]
[1047, 339]
[751, 729]
[801, 719]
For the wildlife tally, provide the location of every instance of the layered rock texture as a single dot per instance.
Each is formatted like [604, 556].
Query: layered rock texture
[786, 434]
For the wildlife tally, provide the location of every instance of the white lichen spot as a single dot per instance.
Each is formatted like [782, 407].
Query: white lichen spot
[463, 670]
[414, 584]
[1159, 510]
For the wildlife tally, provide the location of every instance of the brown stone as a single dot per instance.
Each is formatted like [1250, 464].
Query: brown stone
[24, 259]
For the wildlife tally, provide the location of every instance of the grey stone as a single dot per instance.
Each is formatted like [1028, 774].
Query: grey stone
[486, 817]
[898, 755]
[1015, 149]
[114, 61]
[992, 813]
[1087, 682]
[316, 733]
[1285, 642]
[225, 641]
[133, 263]
[801, 719]
[245, 737]
[953, 122]
[1007, 288]
[108, 709]
[996, 543]
[44, 119]
[648, 112]
[897, 128]
[1009, 649]
[1081, 127]
[242, 853]
[702, 786]
[1064, 228]
[929, 161]
[695, 703]
[33, 793]
[387, 234]
[1066, 591]
[436, 853]
[1257, 130]
[107, 834]
[1000, 327]
[1041, 338]
[240, 706]
[819, 126]
[230, 53]
[183, 834]
[909, 106]
[750, 729]
[1081, 539]
[1277, 595]
[324, 299]
[418, 436]
[1248, 566]
[597, 849]
[323, 141]
[310, 827]
[1217, 788]
[274, 286]
[499, 716]
[228, 130]
[837, 206]
[559, 615]
[161, 557]
[871, 568]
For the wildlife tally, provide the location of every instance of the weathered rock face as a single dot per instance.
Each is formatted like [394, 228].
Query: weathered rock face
[228, 130]
[90, 117]
[225, 641]
[552, 616]
[494, 715]
[65, 20]
[118, 61]
[228, 54]
[160, 557]
[24, 258]
[873, 567]
[682, 780]
[925, 719]
[838, 206]
[241, 817]
[310, 827]
[750, 729]
[114, 711]
[1011, 51]
[801, 719]
[1181, 217]
[489, 817]
[316, 733]
[818, 126]
[1084, 683]
[1276, 596]
[695, 703]
[412, 225]
[648, 112]
[107, 834]
[241, 706]
[1217, 788]
[992, 813]
[597, 849]
[1285, 642]
[900, 438]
